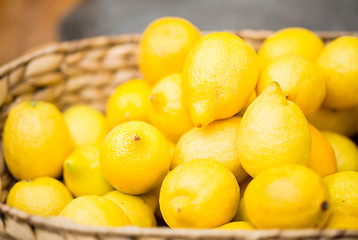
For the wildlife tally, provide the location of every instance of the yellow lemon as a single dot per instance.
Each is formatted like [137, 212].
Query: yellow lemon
[216, 141]
[135, 157]
[130, 101]
[168, 110]
[251, 99]
[343, 188]
[219, 76]
[241, 214]
[138, 212]
[36, 140]
[87, 125]
[199, 194]
[164, 46]
[273, 132]
[95, 210]
[83, 174]
[298, 41]
[42, 196]
[341, 121]
[151, 198]
[338, 63]
[345, 150]
[299, 79]
[237, 225]
[322, 158]
[289, 196]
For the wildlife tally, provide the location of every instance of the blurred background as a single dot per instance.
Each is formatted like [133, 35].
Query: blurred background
[27, 24]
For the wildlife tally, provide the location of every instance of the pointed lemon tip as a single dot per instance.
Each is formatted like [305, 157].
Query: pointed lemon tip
[274, 89]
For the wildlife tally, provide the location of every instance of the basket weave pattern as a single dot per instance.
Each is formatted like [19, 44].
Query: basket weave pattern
[87, 71]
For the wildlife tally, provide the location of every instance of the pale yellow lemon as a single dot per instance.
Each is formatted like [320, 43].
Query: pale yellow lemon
[87, 125]
[219, 76]
[289, 196]
[199, 194]
[36, 140]
[130, 101]
[42, 196]
[216, 141]
[83, 174]
[135, 157]
[164, 46]
[168, 111]
[338, 63]
[273, 132]
[237, 225]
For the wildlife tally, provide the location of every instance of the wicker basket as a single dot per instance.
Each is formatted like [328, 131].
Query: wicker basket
[87, 71]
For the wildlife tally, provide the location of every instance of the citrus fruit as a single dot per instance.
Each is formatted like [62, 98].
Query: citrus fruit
[36, 140]
[95, 210]
[135, 157]
[168, 110]
[83, 174]
[42, 196]
[130, 101]
[273, 132]
[164, 45]
[237, 225]
[289, 196]
[219, 76]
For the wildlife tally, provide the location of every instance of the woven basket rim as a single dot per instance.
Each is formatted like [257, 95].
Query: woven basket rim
[57, 223]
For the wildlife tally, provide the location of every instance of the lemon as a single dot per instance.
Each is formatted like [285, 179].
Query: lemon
[237, 225]
[137, 211]
[151, 198]
[343, 188]
[135, 157]
[36, 140]
[339, 64]
[241, 214]
[219, 76]
[83, 174]
[298, 41]
[273, 132]
[342, 121]
[247, 104]
[42, 196]
[95, 210]
[289, 196]
[164, 45]
[199, 194]
[168, 111]
[345, 150]
[216, 141]
[322, 158]
[130, 101]
[87, 125]
[299, 79]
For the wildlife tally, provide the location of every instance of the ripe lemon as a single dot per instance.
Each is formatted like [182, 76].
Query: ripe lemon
[137, 211]
[289, 196]
[164, 46]
[36, 140]
[343, 188]
[247, 104]
[135, 157]
[273, 132]
[299, 79]
[42, 196]
[343, 121]
[168, 111]
[130, 101]
[216, 141]
[219, 76]
[241, 214]
[151, 198]
[345, 150]
[87, 125]
[199, 194]
[95, 210]
[83, 174]
[322, 158]
[339, 64]
[237, 225]
[290, 41]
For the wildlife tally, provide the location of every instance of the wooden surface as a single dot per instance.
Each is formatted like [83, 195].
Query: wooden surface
[25, 24]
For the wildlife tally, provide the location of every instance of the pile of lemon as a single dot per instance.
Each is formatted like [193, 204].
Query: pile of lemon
[215, 136]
